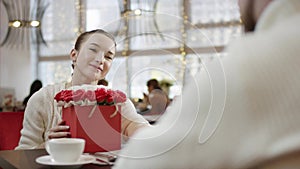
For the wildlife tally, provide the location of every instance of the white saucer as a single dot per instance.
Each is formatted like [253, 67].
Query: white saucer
[47, 160]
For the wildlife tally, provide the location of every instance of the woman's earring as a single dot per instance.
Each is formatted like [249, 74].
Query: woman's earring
[73, 64]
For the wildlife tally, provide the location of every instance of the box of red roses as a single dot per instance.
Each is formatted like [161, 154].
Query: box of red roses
[94, 115]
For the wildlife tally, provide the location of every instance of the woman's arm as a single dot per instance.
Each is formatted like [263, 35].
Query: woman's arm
[131, 120]
[42, 120]
[33, 123]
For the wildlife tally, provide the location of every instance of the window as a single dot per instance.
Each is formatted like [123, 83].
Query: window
[153, 40]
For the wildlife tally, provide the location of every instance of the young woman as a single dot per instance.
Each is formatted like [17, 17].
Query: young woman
[92, 57]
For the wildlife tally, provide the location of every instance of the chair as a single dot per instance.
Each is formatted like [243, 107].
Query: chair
[10, 126]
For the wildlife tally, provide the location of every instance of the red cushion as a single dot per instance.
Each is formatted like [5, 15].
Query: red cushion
[10, 126]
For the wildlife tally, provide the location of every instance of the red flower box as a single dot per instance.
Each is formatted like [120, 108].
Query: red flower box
[93, 113]
[99, 125]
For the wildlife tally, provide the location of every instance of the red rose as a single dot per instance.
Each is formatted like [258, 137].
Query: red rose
[103, 96]
[109, 97]
[58, 97]
[77, 95]
[119, 96]
[100, 95]
[67, 95]
[90, 95]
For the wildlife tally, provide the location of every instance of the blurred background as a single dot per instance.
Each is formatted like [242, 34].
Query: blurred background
[162, 39]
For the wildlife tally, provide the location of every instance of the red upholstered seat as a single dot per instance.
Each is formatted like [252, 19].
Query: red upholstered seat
[10, 126]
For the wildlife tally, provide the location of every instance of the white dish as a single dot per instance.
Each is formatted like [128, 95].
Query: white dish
[47, 160]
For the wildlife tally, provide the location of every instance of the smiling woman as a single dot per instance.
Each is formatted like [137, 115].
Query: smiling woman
[92, 59]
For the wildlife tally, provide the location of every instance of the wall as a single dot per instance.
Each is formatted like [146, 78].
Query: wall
[15, 64]
[15, 71]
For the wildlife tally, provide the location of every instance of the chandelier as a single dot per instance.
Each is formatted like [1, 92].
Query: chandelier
[24, 19]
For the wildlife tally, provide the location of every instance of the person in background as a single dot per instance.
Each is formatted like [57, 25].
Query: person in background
[35, 86]
[143, 106]
[240, 113]
[157, 98]
[155, 103]
[158, 101]
[92, 57]
[152, 84]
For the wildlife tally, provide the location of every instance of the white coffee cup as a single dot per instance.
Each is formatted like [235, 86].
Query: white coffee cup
[65, 150]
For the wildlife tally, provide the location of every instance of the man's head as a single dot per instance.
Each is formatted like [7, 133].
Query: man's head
[250, 11]
[152, 84]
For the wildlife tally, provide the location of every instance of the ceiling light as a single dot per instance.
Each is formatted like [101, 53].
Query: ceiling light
[34, 23]
[16, 24]
[138, 12]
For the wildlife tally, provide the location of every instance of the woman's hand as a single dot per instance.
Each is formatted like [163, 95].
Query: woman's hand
[60, 131]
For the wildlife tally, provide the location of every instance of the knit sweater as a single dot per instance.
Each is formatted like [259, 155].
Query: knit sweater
[42, 114]
[241, 111]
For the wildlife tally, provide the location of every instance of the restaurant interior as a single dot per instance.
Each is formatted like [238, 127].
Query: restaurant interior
[166, 40]
[172, 90]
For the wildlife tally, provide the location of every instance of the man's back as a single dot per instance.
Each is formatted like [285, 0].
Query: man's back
[240, 112]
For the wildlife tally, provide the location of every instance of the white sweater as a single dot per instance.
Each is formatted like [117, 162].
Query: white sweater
[240, 112]
[42, 114]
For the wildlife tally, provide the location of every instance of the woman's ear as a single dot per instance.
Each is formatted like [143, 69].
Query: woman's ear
[73, 55]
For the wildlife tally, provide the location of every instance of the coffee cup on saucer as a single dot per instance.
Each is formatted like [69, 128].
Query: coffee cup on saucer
[65, 150]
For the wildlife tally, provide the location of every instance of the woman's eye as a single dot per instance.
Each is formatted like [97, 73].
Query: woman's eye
[108, 57]
[94, 50]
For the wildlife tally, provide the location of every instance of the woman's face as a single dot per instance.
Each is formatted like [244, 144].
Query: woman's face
[95, 57]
